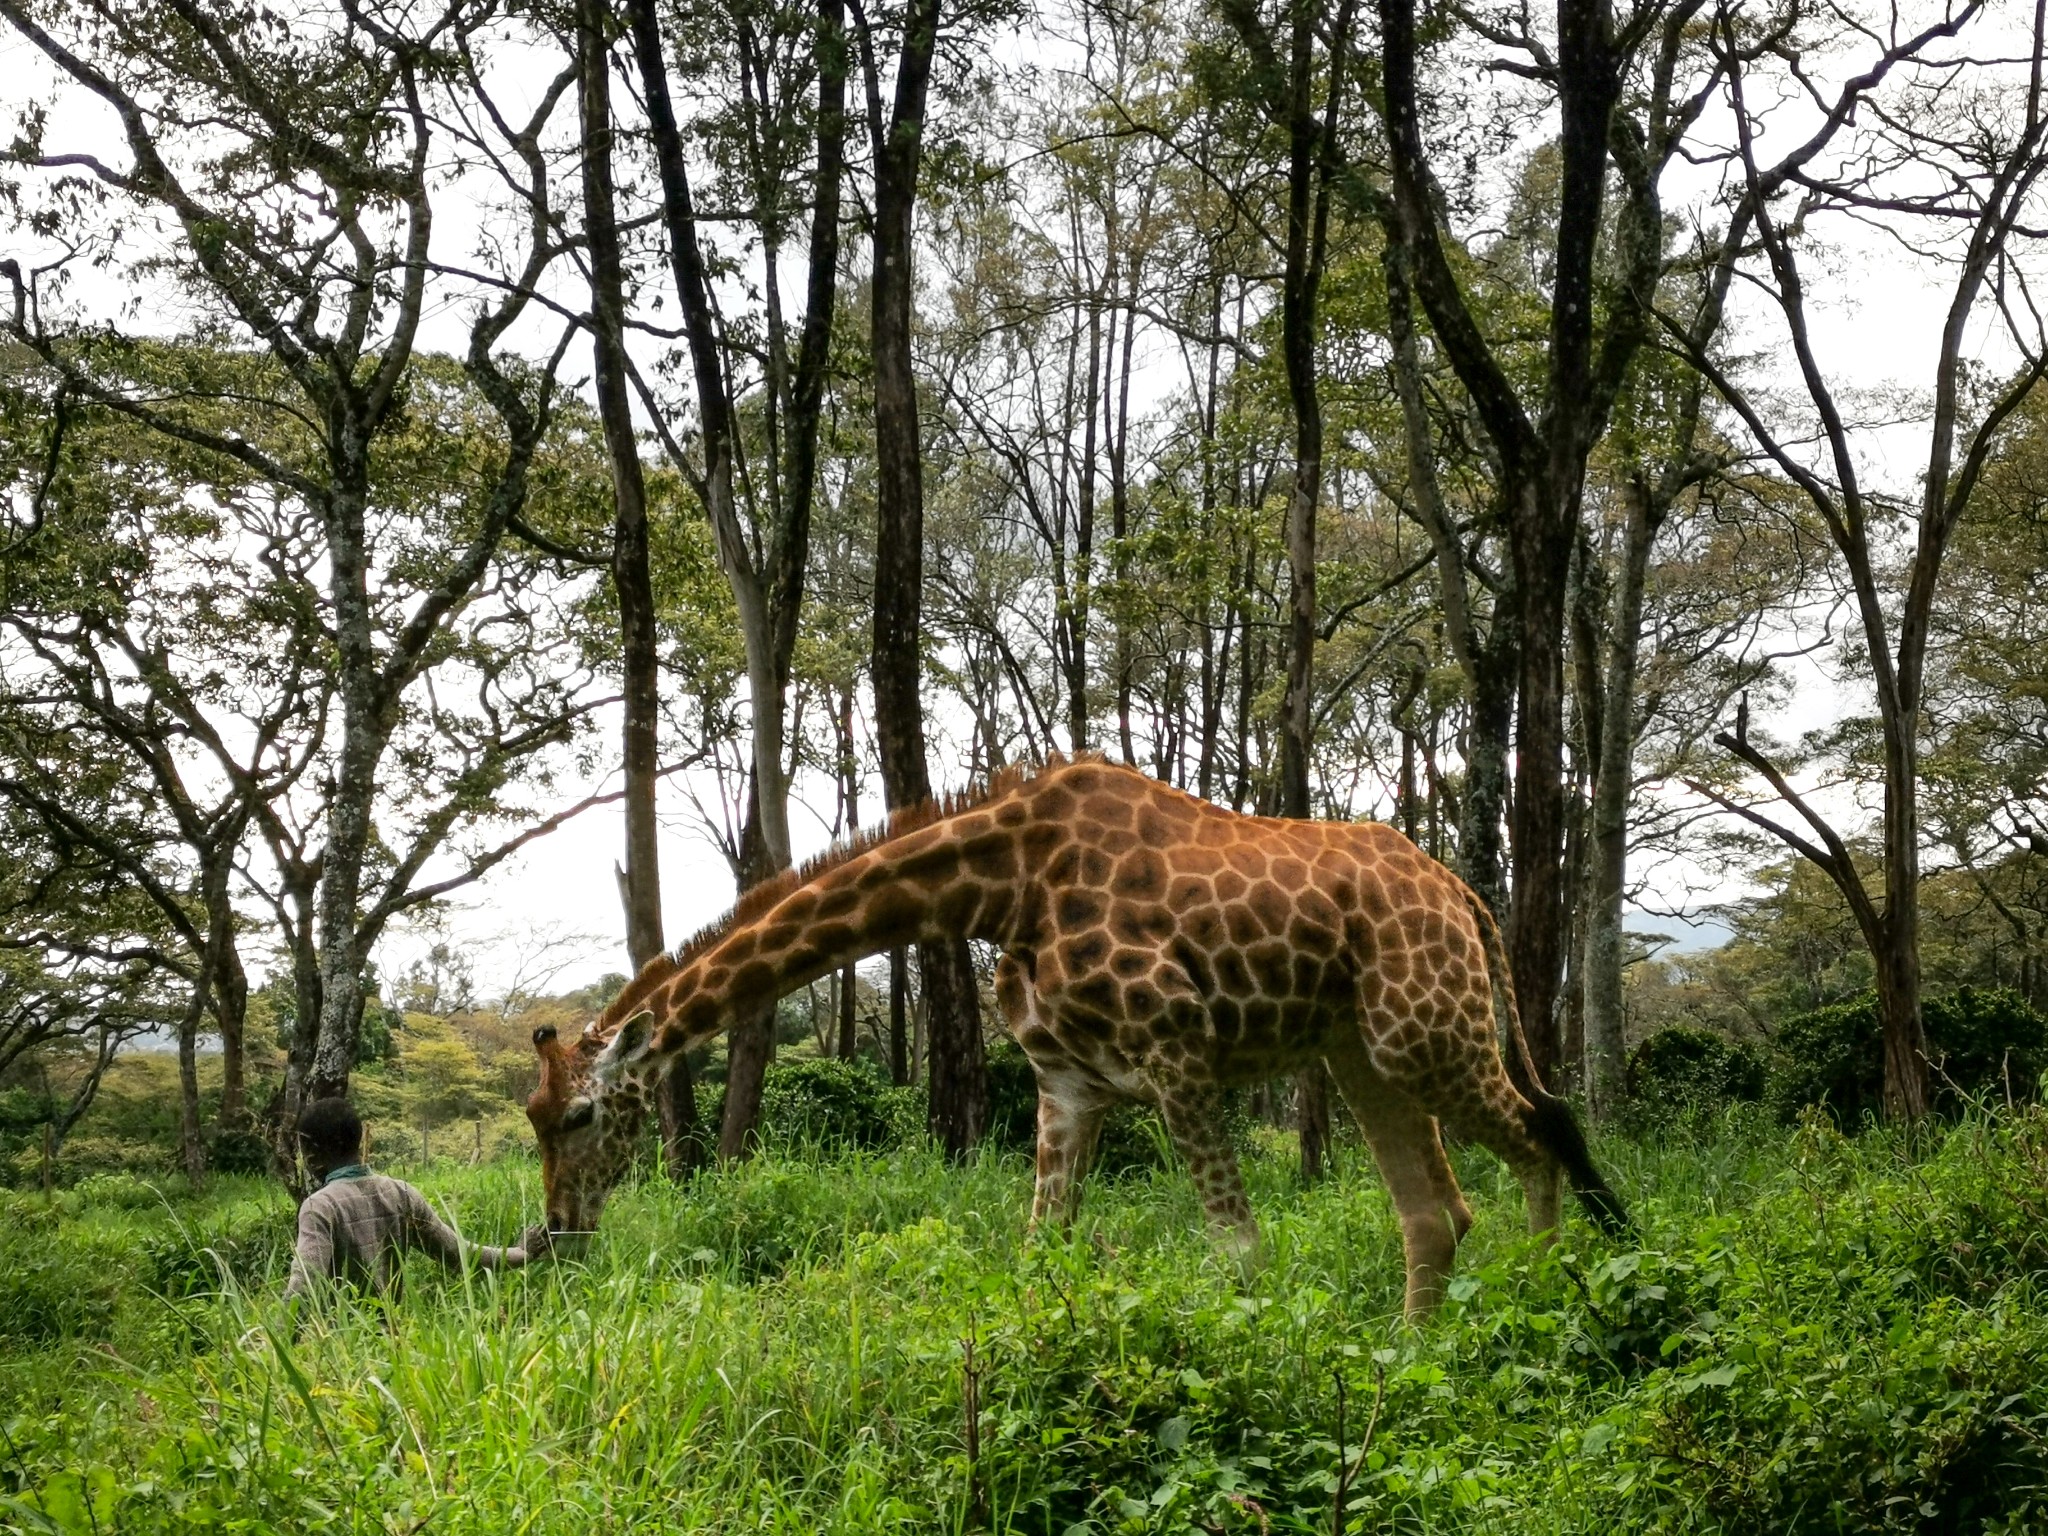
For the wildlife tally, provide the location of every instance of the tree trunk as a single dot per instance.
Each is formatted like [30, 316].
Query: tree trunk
[1312, 1120]
[769, 602]
[1907, 1077]
[958, 1080]
[1607, 882]
[899, 1023]
[364, 735]
[682, 1138]
[631, 580]
[1537, 817]
[191, 1145]
[750, 1046]
[849, 790]
[1488, 662]
[1482, 853]
[1117, 433]
[750, 1043]
[1409, 805]
[228, 985]
[1571, 1006]
[1307, 224]
[849, 1044]
[291, 1097]
[1084, 540]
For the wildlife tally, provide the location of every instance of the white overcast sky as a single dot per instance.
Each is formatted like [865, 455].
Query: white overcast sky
[1877, 323]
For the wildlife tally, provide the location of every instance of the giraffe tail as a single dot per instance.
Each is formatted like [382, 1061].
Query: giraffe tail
[1551, 1120]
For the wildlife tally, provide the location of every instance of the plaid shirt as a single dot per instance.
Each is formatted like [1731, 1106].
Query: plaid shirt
[358, 1227]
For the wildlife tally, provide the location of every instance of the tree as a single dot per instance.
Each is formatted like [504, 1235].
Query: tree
[1312, 159]
[631, 573]
[765, 564]
[1624, 103]
[226, 123]
[119, 653]
[1987, 156]
[1984, 776]
[85, 968]
[958, 1087]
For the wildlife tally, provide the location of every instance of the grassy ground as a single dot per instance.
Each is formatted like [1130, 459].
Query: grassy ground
[1818, 1334]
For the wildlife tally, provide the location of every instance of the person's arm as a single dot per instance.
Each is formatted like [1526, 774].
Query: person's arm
[433, 1234]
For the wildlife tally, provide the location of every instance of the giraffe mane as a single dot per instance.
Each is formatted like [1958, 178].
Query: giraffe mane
[759, 898]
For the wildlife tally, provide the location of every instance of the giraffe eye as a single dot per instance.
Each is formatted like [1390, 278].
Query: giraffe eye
[578, 1115]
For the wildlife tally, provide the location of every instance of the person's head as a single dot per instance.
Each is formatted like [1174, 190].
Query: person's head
[330, 1134]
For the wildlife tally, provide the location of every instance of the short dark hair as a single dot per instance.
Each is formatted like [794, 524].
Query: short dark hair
[330, 1129]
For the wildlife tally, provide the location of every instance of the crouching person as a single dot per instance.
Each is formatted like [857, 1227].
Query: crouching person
[357, 1225]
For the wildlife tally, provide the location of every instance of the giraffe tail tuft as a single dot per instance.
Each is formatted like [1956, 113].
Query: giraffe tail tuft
[1551, 1120]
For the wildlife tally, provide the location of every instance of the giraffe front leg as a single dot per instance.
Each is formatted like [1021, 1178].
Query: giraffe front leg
[1196, 1122]
[1068, 1125]
[1071, 1104]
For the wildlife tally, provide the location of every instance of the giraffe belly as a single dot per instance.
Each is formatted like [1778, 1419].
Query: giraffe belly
[1234, 1017]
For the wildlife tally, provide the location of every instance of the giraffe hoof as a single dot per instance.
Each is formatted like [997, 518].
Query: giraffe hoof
[1240, 1247]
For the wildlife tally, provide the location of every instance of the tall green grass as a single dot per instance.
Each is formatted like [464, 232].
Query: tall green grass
[1817, 1334]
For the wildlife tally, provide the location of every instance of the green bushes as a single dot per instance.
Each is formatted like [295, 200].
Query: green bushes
[1682, 1068]
[836, 1106]
[826, 1105]
[1984, 1043]
[1818, 1333]
[1133, 1137]
[55, 1285]
[241, 1245]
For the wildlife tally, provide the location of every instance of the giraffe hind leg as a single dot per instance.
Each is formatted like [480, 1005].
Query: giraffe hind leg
[1498, 1118]
[1410, 1152]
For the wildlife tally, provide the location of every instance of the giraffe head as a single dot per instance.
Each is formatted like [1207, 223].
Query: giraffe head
[588, 1113]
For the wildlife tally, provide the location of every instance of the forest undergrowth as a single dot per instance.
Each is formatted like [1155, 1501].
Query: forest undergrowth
[1817, 1333]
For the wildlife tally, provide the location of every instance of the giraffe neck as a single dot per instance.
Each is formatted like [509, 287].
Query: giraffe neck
[933, 883]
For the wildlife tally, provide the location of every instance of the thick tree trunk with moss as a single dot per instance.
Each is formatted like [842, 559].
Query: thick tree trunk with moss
[632, 581]
[764, 565]
[958, 1079]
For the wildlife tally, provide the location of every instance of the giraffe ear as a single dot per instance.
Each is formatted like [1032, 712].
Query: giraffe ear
[629, 1045]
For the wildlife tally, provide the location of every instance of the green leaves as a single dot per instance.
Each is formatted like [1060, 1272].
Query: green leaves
[1799, 1344]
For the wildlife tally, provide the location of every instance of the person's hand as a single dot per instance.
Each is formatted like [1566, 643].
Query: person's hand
[535, 1240]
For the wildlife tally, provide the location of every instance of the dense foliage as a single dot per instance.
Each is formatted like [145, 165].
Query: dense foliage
[1985, 1045]
[1682, 1068]
[1817, 1334]
[1982, 1043]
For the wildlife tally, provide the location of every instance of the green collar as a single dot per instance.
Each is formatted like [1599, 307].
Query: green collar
[346, 1171]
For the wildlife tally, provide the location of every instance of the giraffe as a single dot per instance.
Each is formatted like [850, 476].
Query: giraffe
[1155, 947]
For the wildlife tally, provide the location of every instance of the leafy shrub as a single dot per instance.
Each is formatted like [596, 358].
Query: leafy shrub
[246, 1243]
[53, 1289]
[1982, 1041]
[1986, 1040]
[1682, 1068]
[1012, 1098]
[116, 1191]
[86, 1154]
[1831, 1057]
[238, 1149]
[826, 1103]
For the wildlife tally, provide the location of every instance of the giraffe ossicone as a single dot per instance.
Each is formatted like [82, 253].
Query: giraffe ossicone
[1153, 947]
